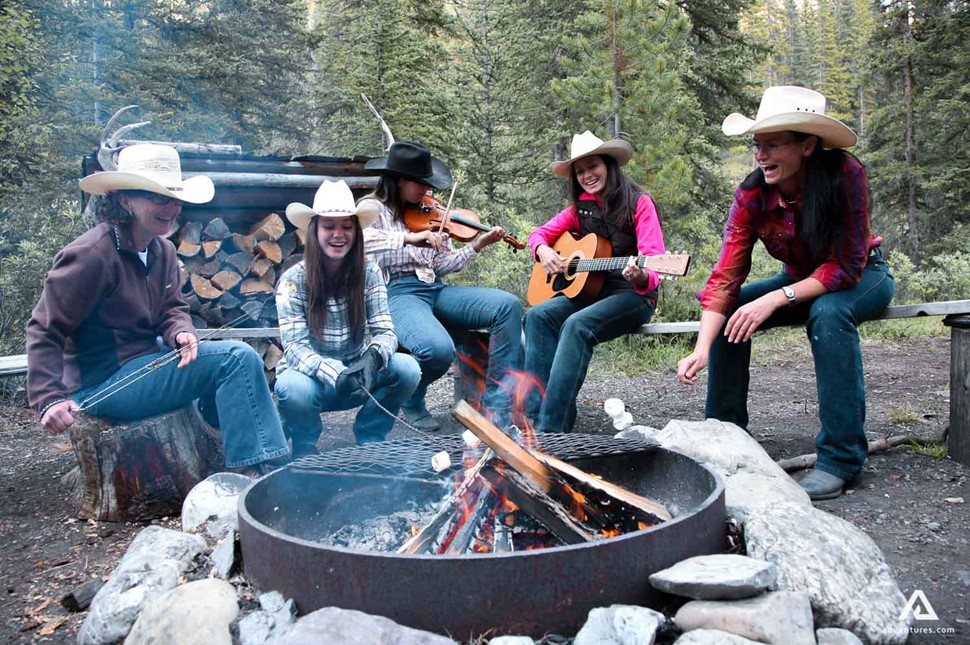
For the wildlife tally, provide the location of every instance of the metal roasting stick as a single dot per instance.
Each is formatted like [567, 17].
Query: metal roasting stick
[144, 371]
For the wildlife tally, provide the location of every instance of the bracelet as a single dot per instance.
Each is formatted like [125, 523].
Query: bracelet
[47, 407]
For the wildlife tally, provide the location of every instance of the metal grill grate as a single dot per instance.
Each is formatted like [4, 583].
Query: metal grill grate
[413, 456]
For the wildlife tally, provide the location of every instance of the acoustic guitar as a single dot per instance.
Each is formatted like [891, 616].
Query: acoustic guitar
[586, 259]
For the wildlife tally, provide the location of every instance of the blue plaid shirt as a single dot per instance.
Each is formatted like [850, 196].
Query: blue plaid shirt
[325, 356]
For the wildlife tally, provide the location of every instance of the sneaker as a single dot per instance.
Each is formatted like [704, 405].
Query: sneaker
[419, 417]
[821, 485]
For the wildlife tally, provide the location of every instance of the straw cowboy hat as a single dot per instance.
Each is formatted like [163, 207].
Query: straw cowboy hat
[152, 167]
[588, 144]
[413, 161]
[800, 109]
[333, 199]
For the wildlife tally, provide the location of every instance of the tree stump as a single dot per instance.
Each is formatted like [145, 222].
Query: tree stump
[141, 470]
[471, 366]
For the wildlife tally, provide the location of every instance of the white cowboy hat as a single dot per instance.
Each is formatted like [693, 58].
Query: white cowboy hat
[333, 199]
[800, 109]
[588, 144]
[152, 167]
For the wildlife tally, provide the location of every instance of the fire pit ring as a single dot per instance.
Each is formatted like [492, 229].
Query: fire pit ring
[527, 592]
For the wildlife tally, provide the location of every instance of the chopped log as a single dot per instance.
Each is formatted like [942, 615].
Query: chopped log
[80, 598]
[272, 356]
[226, 280]
[191, 233]
[244, 242]
[463, 538]
[192, 301]
[229, 301]
[288, 244]
[204, 288]
[290, 261]
[529, 496]
[260, 266]
[269, 310]
[138, 471]
[270, 276]
[211, 267]
[270, 250]
[250, 286]
[645, 504]
[216, 229]
[188, 249]
[270, 228]
[253, 309]
[241, 262]
[210, 248]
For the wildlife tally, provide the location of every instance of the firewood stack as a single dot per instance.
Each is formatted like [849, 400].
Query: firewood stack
[229, 276]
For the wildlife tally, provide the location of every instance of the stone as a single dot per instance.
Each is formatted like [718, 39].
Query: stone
[644, 433]
[712, 637]
[212, 504]
[224, 556]
[780, 617]
[196, 612]
[716, 577]
[151, 566]
[620, 625]
[840, 568]
[335, 626]
[275, 617]
[751, 477]
[836, 636]
[511, 640]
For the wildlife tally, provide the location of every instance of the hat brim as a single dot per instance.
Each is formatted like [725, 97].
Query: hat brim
[439, 179]
[300, 215]
[832, 132]
[618, 149]
[194, 190]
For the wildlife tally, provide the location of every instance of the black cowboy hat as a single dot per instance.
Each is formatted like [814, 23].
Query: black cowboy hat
[412, 160]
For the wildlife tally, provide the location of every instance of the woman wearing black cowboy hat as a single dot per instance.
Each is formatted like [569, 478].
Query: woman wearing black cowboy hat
[422, 306]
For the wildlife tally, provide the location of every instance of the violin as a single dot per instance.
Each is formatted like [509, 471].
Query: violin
[462, 224]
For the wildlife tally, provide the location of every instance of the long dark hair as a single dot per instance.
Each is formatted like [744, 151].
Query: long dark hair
[389, 194]
[825, 200]
[620, 196]
[347, 282]
[108, 208]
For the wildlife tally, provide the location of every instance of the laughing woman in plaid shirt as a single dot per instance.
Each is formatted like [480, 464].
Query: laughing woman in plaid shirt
[425, 308]
[338, 340]
[808, 202]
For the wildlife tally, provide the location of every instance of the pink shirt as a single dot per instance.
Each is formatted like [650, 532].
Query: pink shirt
[650, 239]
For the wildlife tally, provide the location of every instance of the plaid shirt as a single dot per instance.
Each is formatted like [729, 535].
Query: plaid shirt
[759, 213]
[384, 243]
[326, 356]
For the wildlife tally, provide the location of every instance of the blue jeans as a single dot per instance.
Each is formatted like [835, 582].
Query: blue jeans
[423, 313]
[302, 398]
[560, 334]
[831, 323]
[230, 373]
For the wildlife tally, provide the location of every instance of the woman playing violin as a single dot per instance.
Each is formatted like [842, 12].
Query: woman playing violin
[561, 332]
[423, 307]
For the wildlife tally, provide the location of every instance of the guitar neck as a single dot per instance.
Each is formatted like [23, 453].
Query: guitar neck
[608, 264]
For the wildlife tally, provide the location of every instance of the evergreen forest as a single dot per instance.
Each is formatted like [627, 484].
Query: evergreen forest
[496, 88]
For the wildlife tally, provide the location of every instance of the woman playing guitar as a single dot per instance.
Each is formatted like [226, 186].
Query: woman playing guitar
[422, 306]
[561, 332]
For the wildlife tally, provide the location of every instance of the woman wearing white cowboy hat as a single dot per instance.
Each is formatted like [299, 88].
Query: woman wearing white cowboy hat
[808, 202]
[338, 339]
[562, 332]
[423, 307]
[113, 292]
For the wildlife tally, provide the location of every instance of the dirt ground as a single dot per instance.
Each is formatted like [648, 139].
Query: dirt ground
[912, 505]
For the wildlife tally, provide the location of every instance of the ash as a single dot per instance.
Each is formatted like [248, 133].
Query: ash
[384, 533]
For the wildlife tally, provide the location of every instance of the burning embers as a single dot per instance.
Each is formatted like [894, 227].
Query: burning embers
[509, 498]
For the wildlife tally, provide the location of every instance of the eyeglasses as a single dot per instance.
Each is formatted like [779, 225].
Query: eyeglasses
[769, 147]
[154, 198]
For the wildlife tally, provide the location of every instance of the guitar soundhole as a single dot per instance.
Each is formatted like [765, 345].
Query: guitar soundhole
[560, 282]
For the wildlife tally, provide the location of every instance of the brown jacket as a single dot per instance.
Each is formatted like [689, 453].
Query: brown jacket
[100, 308]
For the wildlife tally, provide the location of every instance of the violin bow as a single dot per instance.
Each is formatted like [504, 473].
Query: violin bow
[447, 215]
[384, 126]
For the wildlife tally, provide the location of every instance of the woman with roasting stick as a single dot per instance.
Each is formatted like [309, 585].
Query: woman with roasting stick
[808, 202]
[423, 307]
[338, 341]
[112, 293]
[562, 332]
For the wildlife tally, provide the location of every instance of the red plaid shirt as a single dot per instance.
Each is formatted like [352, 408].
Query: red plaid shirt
[760, 214]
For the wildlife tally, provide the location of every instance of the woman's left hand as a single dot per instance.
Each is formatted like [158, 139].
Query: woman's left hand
[188, 346]
[746, 320]
[634, 274]
[496, 234]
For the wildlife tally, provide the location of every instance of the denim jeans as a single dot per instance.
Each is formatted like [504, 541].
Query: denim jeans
[560, 334]
[423, 313]
[230, 373]
[831, 323]
[302, 398]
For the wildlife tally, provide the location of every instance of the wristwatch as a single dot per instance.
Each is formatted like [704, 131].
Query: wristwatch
[790, 294]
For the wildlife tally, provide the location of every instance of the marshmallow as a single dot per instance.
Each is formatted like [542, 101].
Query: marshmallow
[623, 421]
[471, 440]
[441, 461]
[613, 407]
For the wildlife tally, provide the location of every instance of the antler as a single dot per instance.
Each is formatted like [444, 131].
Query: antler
[387, 131]
[109, 140]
